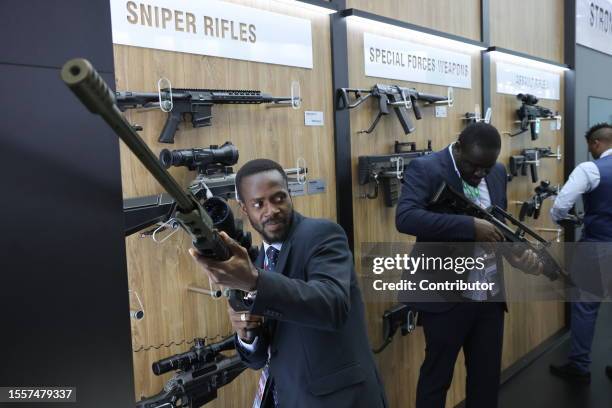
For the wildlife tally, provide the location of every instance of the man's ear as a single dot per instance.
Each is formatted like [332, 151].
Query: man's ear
[242, 207]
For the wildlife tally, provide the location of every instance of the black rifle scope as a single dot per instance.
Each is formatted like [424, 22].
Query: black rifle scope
[200, 353]
[226, 155]
[527, 99]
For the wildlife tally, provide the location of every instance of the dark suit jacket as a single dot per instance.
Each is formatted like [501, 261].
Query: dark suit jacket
[315, 327]
[422, 178]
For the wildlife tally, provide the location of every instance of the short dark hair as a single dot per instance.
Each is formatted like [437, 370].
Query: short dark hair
[604, 125]
[480, 134]
[258, 166]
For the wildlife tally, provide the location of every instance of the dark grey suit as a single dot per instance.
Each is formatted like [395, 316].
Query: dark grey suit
[315, 328]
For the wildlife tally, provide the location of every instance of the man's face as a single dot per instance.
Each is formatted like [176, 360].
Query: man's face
[594, 146]
[474, 163]
[267, 204]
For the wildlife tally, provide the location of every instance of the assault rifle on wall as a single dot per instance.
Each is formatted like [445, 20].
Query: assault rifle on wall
[530, 113]
[531, 158]
[215, 178]
[197, 103]
[532, 207]
[201, 222]
[388, 170]
[448, 201]
[201, 371]
[401, 99]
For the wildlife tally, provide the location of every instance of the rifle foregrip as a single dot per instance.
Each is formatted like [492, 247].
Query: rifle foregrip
[82, 78]
[170, 127]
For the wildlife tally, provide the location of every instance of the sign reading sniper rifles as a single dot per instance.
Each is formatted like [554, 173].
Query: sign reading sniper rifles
[514, 79]
[594, 24]
[210, 27]
[407, 61]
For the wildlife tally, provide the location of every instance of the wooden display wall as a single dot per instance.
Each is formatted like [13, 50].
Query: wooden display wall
[161, 273]
[527, 324]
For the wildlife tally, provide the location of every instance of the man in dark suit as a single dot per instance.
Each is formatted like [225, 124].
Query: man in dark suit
[307, 317]
[472, 320]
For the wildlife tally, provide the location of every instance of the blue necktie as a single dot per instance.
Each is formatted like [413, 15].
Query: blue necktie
[272, 258]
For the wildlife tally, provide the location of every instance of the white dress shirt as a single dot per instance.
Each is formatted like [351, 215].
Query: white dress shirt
[250, 347]
[584, 179]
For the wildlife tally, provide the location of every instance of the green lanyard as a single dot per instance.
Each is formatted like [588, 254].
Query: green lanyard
[471, 192]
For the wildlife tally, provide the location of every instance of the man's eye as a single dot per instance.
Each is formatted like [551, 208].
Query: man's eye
[257, 204]
[279, 198]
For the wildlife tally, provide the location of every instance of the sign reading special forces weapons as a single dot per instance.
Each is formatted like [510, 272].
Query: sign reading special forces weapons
[210, 27]
[407, 61]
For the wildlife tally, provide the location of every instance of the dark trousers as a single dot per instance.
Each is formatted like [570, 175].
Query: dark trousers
[584, 317]
[476, 327]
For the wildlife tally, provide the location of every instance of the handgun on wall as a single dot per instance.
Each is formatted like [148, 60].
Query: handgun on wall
[401, 99]
[531, 158]
[197, 103]
[530, 113]
[387, 170]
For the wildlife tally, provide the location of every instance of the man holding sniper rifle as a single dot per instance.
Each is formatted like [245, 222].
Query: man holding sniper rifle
[305, 327]
[470, 319]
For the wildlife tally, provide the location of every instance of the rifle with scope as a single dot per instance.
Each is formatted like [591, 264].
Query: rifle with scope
[530, 158]
[200, 221]
[198, 103]
[388, 170]
[201, 371]
[399, 98]
[529, 114]
[447, 200]
[215, 178]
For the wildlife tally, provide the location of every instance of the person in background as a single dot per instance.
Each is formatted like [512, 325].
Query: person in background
[592, 181]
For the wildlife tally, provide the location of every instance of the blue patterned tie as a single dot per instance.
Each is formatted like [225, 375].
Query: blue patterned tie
[271, 258]
[270, 265]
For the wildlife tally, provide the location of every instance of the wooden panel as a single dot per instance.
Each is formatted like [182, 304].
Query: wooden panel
[460, 17]
[528, 324]
[160, 273]
[532, 27]
[399, 364]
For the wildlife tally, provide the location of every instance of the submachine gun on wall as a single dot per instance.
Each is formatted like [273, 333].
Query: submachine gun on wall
[448, 201]
[387, 170]
[215, 178]
[531, 158]
[201, 222]
[401, 99]
[530, 113]
[197, 103]
[201, 371]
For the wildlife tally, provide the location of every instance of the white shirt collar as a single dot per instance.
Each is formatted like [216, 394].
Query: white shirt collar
[450, 151]
[606, 153]
[277, 245]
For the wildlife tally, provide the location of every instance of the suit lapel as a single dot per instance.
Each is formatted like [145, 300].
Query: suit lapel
[451, 176]
[259, 262]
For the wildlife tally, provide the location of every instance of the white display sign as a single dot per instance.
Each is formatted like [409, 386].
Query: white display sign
[313, 118]
[407, 61]
[514, 79]
[594, 24]
[216, 28]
